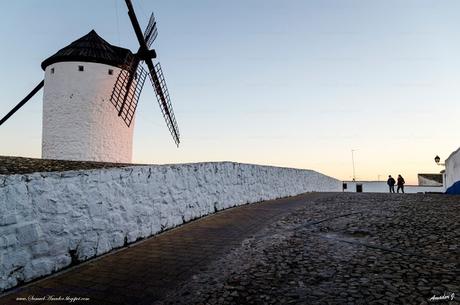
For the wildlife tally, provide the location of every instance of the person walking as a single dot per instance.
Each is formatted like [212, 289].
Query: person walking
[400, 184]
[391, 184]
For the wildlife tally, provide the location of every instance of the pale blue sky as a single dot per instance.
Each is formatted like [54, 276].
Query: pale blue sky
[290, 83]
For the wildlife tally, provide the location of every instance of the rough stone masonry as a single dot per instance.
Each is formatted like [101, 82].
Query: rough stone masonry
[50, 220]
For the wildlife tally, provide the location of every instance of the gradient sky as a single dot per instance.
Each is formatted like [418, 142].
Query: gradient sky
[291, 83]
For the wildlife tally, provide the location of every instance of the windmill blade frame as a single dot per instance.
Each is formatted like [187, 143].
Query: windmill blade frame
[151, 31]
[164, 101]
[23, 102]
[137, 28]
[126, 92]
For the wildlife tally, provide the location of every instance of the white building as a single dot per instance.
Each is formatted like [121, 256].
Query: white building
[79, 121]
[382, 187]
[430, 179]
[452, 173]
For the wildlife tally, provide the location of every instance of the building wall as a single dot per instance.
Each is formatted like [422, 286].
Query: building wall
[453, 173]
[79, 121]
[48, 220]
[382, 187]
[427, 182]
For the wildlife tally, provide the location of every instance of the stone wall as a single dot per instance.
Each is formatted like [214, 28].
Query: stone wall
[453, 173]
[49, 221]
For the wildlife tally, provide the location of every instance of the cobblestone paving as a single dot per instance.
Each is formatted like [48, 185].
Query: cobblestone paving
[346, 249]
[20, 165]
[310, 249]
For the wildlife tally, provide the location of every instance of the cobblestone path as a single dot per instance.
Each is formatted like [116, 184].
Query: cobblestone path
[343, 249]
[310, 249]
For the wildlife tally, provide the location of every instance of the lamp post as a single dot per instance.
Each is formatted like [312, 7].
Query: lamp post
[437, 159]
[353, 162]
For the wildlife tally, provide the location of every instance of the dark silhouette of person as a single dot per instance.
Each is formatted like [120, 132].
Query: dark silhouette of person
[391, 184]
[400, 184]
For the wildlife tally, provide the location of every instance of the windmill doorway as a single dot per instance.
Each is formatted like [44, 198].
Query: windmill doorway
[359, 188]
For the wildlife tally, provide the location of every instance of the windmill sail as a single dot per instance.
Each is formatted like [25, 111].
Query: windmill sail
[161, 91]
[22, 103]
[125, 99]
[151, 31]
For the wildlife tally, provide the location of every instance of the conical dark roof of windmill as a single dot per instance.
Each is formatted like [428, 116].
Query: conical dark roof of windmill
[90, 48]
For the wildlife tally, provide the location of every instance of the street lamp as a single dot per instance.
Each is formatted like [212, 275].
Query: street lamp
[353, 162]
[443, 172]
[437, 159]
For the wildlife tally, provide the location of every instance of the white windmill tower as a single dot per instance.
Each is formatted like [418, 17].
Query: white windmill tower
[91, 90]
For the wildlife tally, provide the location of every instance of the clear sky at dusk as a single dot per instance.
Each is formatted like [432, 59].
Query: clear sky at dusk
[291, 83]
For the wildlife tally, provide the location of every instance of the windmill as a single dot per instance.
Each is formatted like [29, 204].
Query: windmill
[77, 124]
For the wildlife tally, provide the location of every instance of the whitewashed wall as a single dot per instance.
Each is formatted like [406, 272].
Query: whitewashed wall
[382, 187]
[79, 121]
[427, 182]
[46, 218]
[453, 170]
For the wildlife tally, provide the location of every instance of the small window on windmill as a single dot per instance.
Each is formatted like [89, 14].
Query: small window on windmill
[110, 71]
[52, 70]
[81, 68]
